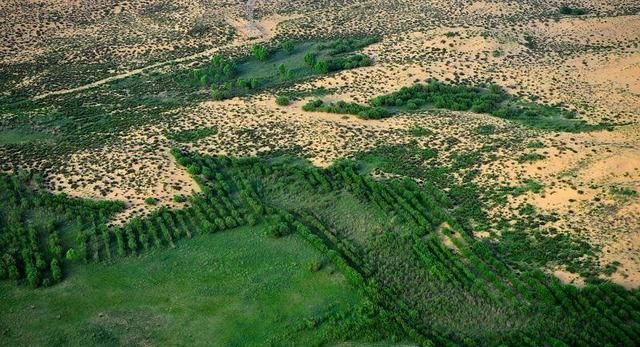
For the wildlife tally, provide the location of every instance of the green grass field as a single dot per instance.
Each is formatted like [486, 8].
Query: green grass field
[23, 135]
[235, 288]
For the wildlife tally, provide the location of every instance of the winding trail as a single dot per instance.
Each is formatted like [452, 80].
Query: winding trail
[251, 25]
[130, 73]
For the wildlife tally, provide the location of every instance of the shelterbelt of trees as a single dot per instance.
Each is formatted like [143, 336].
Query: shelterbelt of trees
[411, 253]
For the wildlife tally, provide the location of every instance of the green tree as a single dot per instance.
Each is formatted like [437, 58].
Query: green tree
[56, 272]
[310, 59]
[260, 52]
[321, 67]
[288, 46]
[282, 70]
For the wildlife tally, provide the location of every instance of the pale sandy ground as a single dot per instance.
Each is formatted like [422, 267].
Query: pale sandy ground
[602, 83]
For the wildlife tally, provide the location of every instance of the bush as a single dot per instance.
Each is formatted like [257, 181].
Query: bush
[288, 46]
[151, 201]
[283, 101]
[566, 10]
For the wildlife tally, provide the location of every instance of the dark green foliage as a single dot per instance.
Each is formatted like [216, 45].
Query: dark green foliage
[288, 46]
[283, 66]
[570, 11]
[150, 201]
[341, 107]
[321, 67]
[282, 100]
[530, 157]
[342, 63]
[192, 135]
[38, 230]
[260, 52]
[623, 191]
[492, 100]
[310, 59]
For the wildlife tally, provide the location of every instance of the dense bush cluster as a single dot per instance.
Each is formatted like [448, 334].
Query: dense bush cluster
[490, 99]
[288, 63]
[570, 11]
[192, 135]
[342, 107]
[441, 95]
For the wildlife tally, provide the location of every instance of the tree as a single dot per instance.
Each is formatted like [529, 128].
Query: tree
[260, 52]
[56, 272]
[71, 254]
[150, 201]
[310, 59]
[321, 67]
[282, 70]
[242, 84]
[288, 46]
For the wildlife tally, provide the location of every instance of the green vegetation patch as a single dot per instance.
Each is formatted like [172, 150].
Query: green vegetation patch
[39, 231]
[572, 11]
[342, 107]
[23, 135]
[192, 135]
[234, 288]
[491, 99]
[407, 248]
[269, 68]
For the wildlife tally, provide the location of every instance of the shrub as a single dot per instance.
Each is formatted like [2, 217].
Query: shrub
[283, 100]
[288, 46]
[151, 201]
[566, 10]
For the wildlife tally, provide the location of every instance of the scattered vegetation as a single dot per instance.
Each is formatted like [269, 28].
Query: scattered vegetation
[192, 135]
[623, 191]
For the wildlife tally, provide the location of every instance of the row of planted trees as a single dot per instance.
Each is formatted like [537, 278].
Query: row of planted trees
[33, 226]
[420, 253]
